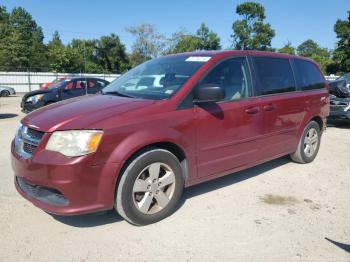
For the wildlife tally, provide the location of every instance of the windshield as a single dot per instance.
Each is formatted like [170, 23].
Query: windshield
[158, 78]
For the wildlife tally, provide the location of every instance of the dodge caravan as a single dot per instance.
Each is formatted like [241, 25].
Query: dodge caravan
[167, 124]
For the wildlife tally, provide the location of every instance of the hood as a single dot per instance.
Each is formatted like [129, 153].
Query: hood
[35, 92]
[82, 112]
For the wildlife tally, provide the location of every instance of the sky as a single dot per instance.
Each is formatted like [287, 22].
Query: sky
[293, 20]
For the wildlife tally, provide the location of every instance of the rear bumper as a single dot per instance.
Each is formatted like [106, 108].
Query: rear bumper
[65, 186]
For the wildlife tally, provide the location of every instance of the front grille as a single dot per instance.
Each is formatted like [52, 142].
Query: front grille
[44, 194]
[26, 141]
[28, 148]
[35, 134]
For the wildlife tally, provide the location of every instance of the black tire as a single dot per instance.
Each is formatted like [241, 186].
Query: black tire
[125, 196]
[5, 93]
[300, 155]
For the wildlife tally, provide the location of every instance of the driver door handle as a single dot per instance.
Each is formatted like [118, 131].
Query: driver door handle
[269, 107]
[252, 110]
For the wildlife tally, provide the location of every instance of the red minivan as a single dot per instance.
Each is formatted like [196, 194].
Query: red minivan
[167, 124]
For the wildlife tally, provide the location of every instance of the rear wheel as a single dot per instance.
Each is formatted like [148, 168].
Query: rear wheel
[150, 187]
[5, 93]
[309, 144]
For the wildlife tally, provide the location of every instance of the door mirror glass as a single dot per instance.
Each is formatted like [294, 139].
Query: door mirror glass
[209, 93]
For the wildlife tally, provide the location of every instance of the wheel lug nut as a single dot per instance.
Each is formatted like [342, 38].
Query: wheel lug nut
[159, 183]
[148, 187]
[157, 191]
[154, 180]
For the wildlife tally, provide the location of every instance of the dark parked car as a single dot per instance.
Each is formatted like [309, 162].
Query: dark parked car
[169, 123]
[65, 89]
[340, 99]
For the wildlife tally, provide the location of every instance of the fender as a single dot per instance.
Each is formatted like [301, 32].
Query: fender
[308, 117]
[140, 139]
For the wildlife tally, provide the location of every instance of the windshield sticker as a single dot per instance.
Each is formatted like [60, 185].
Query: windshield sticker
[198, 59]
[169, 92]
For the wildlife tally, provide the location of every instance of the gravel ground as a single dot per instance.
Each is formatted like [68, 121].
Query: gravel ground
[278, 211]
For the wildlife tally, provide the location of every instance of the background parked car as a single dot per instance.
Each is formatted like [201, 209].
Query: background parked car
[48, 84]
[340, 98]
[65, 89]
[7, 91]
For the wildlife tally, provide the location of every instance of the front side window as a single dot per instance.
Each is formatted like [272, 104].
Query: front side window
[233, 76]
[308, 75]
[80, 84]
[158, 78]
[275, 75]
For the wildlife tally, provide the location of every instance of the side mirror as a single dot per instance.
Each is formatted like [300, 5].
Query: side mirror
[208, 93]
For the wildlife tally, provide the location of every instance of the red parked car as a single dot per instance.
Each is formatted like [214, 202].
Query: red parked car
[167, 124]
[48, 84]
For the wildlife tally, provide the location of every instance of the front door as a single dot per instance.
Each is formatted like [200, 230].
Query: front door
[228, 132]
[74, 88]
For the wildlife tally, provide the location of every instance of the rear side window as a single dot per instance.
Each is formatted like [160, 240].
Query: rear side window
[308, 75]
[275, 75]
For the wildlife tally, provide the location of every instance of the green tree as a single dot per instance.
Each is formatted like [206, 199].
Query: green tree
[181, 42]
[148, 43]
[342, 51]
[204, 39]
[22, 44]
[57, 54]
[251, 32]
[207, 40]
[287, 49]
[112, 55]
[311, 49]
[4, 36]
[83, 57]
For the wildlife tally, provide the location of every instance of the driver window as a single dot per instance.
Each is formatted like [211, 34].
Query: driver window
[80, 84]
[233, 76]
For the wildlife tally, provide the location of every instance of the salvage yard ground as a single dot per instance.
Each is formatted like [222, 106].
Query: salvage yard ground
[278, 211]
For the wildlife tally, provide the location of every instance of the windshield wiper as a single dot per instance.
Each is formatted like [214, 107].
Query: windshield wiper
[116, 93]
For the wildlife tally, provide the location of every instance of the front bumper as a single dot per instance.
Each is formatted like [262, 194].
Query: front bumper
[64, 186]
[28, 107]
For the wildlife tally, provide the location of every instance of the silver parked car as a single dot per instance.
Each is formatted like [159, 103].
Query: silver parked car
[7, 91]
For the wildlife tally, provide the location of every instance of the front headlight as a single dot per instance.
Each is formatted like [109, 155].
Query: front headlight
[74, 142]
[34, 99]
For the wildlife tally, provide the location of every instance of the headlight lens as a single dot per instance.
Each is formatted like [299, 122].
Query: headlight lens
[74, 142]
[34, 99]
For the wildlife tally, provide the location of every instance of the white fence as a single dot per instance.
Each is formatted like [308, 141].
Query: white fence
[331, 77]
[27, 81]
[23, 82]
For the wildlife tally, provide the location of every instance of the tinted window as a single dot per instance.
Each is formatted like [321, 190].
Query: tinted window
[233, 76]
[275, 75]
[80, 84]
[308, 75]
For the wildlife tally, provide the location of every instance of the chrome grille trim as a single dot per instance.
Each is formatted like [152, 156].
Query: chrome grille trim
[26, 141]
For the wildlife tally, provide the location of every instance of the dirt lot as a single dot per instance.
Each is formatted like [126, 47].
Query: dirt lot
[279, 211]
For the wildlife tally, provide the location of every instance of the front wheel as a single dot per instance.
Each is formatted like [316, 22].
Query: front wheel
[150, 187]
[5, 93]
[309, 144]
